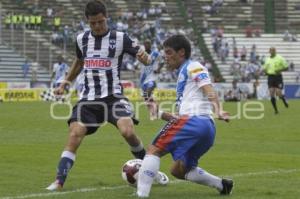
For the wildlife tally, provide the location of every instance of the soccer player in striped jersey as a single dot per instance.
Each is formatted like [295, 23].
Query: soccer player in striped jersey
[148, 78]
[191, 133]
[99, 54]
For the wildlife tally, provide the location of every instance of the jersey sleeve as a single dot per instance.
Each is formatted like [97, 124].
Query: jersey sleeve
[283, 63]
[78, 52]
[199, 74]
[129, 46]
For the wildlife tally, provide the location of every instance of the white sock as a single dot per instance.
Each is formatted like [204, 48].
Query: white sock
[68, 154]
[147, 173]
[200, 176]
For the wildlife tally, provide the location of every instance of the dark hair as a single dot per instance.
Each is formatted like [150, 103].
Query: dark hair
[95, 7]
[178, 42]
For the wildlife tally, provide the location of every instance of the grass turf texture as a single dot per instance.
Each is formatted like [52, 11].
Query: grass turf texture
[262, 156]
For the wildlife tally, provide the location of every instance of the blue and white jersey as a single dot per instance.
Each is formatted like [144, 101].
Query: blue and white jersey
[60, 71]
[147, 72]
[190, 99]
[102, 56]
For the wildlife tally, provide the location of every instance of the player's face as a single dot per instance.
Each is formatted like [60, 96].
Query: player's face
[173, 58]
[98, 24]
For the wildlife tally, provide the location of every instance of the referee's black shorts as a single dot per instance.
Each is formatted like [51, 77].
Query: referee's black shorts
[93, 113]
[275, 81]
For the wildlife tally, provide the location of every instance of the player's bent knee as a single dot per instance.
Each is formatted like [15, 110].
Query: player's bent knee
[177, 174]
[127, 132]
[178, 170]
[126, 128]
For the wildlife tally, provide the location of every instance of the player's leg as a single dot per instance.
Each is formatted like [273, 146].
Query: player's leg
[76, 135]
[120, 114]
[152, 106]
[282, 97]
[78, 129]
[272, 85]
[200, 176]
[126, 128]
[162, 144]
[273, 99]
[189, 151]
[279, 91]
[149, 171]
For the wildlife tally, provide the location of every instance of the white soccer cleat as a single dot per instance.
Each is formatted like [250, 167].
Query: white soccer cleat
[55, 186]
[161, 178]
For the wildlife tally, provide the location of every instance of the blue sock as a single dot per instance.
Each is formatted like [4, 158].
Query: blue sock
[64, 166]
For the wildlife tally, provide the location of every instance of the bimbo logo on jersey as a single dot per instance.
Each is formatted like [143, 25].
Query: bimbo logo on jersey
[97, 63]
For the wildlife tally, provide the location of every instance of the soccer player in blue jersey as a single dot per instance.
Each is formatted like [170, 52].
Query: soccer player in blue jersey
[148, 78]
[60, 70]
[99, 54]
[190, 134]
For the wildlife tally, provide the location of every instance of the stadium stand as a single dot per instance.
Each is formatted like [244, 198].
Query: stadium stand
[11, 67]
[289, 50]
[232, 15]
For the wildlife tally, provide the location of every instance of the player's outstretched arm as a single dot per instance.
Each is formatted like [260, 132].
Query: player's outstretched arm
[143, 57]
[166, 116]
[212, 96]
[72, 74]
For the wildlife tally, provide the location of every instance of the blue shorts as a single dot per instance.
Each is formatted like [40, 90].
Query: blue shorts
[187, 138]
[148, 85]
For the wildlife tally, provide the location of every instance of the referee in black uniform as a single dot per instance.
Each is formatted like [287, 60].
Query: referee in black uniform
[273, 67]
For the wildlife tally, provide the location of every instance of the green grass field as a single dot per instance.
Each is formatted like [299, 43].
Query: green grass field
[262, 156]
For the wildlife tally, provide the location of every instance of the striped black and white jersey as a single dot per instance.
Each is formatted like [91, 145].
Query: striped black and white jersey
[102, 56]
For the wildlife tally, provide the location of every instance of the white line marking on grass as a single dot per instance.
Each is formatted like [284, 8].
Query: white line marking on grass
[83, 190]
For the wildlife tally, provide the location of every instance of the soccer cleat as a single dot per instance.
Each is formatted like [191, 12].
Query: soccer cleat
[55, 186]
[161, 178]
[227, 187]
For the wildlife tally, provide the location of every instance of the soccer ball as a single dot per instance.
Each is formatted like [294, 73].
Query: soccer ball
[130, 171]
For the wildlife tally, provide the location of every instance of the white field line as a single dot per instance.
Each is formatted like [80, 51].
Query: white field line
[83, 190]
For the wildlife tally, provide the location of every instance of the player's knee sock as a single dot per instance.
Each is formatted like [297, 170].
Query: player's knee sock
[147, 173]
[65, 164]
[200, 176]
[273, 101]
[138, 151]
[284, 101]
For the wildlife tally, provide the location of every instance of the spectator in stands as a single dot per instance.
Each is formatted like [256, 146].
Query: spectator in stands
[298, 77]
[257, 32]
[49, 12]
[204, 25]
[235, 70]
[56, 23]
[32, 21]
[291, 66]
[38, 21]
[253, 54]
[248, 31]
[8, 20]
[235, 53]
[243, 53]
[25, 68]
[34, 70]
[234, 94]
[287, 36]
